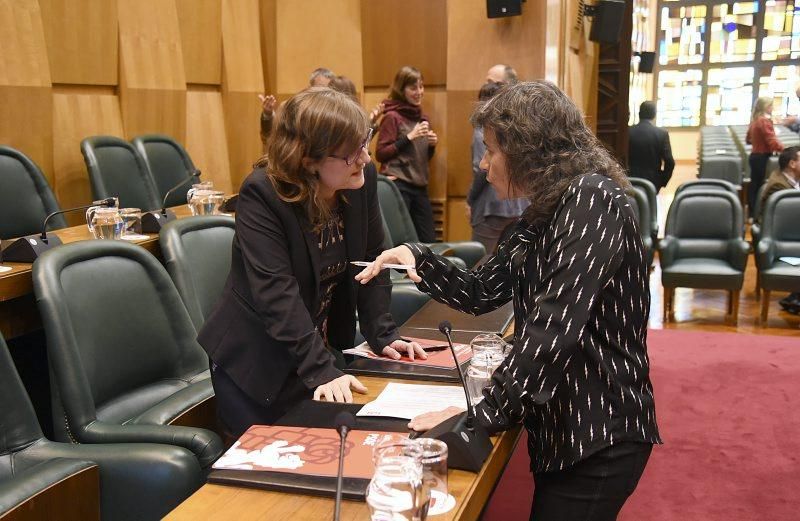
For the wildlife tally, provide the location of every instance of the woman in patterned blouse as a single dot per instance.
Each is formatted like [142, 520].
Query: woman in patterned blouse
[577, 376]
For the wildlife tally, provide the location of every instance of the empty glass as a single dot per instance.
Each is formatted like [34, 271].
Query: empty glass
[434, 469]
[132, 219]
[204, 185]
[104, 222]
[206, 202]
[397, 490]
[488, 352]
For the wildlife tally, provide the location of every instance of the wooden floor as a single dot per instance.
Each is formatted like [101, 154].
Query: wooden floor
[704, 310]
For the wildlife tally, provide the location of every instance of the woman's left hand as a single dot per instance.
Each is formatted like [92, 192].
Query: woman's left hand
[412, 349]
[429, 420]
[432, 138]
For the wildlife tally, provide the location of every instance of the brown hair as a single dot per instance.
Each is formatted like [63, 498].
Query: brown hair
[546, 144]
[313, 124]
[407, 75]
[344, 85]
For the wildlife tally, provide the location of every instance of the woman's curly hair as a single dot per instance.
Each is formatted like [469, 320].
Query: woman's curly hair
[546, 143]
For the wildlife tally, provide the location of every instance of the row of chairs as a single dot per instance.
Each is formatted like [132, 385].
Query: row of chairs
[719, 156]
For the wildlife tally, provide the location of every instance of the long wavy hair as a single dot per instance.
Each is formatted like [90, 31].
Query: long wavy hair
[312, 124]
[760, 108]
[546, 143]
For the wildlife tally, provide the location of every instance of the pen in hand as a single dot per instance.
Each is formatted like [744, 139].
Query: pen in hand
[385, 266]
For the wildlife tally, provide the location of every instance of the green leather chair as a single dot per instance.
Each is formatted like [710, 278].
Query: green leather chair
[780, 237]
[703, 246]
[137, 480]
[122, 348]
[169, 164]
[401, 228]
[708, 184]
[724, 167]
[641, 209]
[651, 193]
[197, 254]
[25, 197]
[116, 170]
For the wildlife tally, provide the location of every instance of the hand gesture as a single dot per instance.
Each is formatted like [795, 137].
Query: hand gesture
[420, 130]
[399, 255]
[429, 420]
[268, 103]
[376, 114]
[338, 390]
[394, 349]
[432, 138]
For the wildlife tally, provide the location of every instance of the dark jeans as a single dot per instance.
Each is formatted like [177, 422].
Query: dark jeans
[758, 171]
[419, 207]
[593, 489]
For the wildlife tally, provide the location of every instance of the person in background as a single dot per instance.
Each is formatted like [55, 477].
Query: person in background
[501, 73]
[793, 122]
[786, 177]
[760, 134]
[345, 85]
[406, 144]
[289, 303]
[489, 216]
[321, 77]
[649, 149]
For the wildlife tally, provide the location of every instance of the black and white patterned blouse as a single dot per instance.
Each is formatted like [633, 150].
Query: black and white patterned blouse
[578, 373]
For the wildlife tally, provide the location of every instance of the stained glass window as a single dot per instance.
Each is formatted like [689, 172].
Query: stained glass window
[782, 28]
[729, 96]
[733, 32]
[682, 35]
[679, 96]
[780, 82]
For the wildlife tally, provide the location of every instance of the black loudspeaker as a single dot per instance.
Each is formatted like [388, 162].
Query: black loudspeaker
[467, 447]
[503, 8]
[647, 60]
[607, 23]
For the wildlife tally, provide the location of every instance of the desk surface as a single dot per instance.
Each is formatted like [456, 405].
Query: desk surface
[228, 502]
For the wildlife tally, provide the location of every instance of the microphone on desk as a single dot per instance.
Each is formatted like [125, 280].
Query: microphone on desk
[30, 247]
[152, 222]
[468, 443]
[344, 423]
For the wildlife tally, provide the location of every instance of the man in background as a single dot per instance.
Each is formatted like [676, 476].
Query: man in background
[649, 150]
[501, 73]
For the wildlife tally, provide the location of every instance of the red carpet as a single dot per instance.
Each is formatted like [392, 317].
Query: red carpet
[728, 407]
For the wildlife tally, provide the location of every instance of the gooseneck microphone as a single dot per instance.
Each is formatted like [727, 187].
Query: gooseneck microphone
[344, 423]
[446, 328]
[30, 247]
[195, 175]
[152, 222]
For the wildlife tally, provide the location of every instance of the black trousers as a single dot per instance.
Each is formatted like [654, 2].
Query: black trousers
[593, 489]
[419, 207]
[758, 172]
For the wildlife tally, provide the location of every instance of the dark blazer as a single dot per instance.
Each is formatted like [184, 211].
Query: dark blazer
[261, 332]
[648, 147]
[776, 182]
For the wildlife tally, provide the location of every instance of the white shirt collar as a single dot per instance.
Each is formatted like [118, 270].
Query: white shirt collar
[792, 181]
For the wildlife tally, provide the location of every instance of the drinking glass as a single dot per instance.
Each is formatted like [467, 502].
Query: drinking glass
[488, 352]
[434, 469]
[132, 219]
[104, 222]
[397, 490]
[204, 185]
[487, 342]
[206, 202]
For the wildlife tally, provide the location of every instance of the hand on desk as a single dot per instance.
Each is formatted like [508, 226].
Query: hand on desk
[399, 255]
[429, 420]
[338, 390]
[412, 349]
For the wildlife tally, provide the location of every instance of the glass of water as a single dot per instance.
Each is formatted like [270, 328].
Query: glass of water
[105, 223]
[488, 352]
[132, 220]
[206, 202]
[397, 490]
[204, 185]
[434, 469]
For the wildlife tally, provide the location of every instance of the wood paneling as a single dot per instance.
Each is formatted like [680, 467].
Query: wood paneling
[459, 138]
[412, 32]
[201, 39]
[82, 41]
[154, 111]
[317, 33]
[26, 123]
[242, 125]
[269, 27]
[73, 498]
[79, 113]
[435, 105]
[458, 227]
[206, 140]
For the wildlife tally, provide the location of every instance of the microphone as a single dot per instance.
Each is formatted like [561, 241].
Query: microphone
[30, 247]
[344, 423]
[468, 443]
[152, 222]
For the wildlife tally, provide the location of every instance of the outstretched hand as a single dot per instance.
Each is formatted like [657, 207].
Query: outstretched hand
[429, 420]
[398, 255]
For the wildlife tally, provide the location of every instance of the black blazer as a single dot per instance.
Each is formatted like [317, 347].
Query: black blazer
[648, 147]
[261, 332]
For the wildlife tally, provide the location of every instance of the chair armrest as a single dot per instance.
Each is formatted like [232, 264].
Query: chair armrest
[667, 250]
[737, 253]
[470, 251]
[457, 261]
[36, 479]
[765, 253]
[440, 248]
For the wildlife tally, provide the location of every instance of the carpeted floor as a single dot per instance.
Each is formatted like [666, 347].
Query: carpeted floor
[728, 407]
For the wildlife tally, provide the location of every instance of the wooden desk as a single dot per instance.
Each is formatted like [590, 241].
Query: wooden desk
[18, 312]
[228, 502]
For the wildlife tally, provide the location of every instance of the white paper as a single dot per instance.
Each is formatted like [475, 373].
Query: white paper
[362, 350]
[4, 269]
[410, 400]
[794, 261]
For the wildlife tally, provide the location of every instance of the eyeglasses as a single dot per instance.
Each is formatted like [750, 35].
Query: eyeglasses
[349, 160]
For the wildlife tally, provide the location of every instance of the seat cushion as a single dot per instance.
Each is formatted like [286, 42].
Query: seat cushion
[176, 404]
[702, 273]
[781, 277]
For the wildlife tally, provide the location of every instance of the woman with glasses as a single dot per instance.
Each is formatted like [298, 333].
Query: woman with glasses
[288, 306]
[405, 145]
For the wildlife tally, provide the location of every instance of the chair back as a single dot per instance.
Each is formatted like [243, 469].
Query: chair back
[25, 197]
[725, 167]
[119, 338]
[704, 222]
[116, 170]
[169, 163]
[651, 192]
[781, 222]
[197, 254]
[395, 214]
[707, 184]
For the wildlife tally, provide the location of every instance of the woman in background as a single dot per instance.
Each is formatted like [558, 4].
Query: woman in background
[760, 134]
[405, 146]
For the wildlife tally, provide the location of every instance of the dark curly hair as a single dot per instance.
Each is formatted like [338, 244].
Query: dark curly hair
[546, 143]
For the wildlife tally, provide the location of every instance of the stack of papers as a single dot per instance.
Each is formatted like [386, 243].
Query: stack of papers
[794, 261]
[409, 400]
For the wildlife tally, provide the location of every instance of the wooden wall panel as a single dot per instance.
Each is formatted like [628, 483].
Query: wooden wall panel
[412, 32]
[79, 113]
[269, 56]
[458, 228]
[82, 41]
[205, 136]
[435, 105]
[201, 39]
[26, 123]
[317, 33]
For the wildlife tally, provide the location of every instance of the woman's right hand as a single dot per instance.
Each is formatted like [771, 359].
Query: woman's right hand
[338, 390]
[420, 130]
[398, 255]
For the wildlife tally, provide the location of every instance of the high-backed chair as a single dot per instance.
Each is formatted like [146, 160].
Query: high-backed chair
[707, 184]
[116, 170]
[725, 167]
[780, 237]
[651, 193]
[25, 197]
[401, 228]
[122, 348]
[169, 163]
[703, 246]
[641, 209]
[137, 481]
[197, 254]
